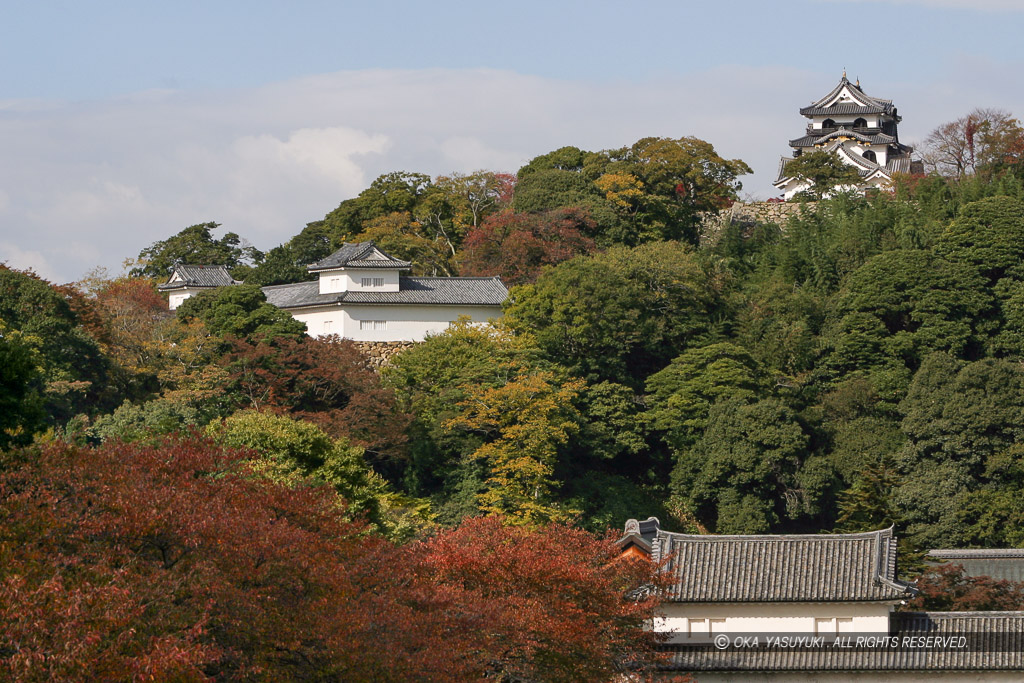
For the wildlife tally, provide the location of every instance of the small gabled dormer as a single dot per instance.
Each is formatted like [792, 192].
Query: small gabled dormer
[359, 267]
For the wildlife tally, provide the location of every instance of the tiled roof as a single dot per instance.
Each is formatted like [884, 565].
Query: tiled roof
[999, 563]
[783, 162]
[900, 164]
[792, 568]
[994, 641]
[863, 103]
[845, 110]
[811, 140]
[198, 276]
[360, 255]
[465, 291]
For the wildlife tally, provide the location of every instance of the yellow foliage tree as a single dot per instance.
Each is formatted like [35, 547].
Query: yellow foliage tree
[524, 422]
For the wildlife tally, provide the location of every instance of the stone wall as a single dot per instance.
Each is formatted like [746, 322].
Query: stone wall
[749, 214]
[378, 354]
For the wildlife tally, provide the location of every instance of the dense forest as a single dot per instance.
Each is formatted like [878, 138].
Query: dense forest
[857, 367]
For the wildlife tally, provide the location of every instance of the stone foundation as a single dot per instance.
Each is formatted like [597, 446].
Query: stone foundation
[748, 215]
[378, 354]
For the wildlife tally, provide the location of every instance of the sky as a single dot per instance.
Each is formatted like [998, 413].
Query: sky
[121, 123]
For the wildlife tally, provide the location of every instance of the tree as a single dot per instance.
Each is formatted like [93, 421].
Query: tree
[517, 246]
[287, 262]
[986, 139]
[195, 245]
[523, 422]
[21, 405]
[431, 380]
[824, 172]
[946, 588]
[620, 314]
[680, 178]
[294, 452]
[324, 380]
[680, 396]
[899, 307]
[398, 191]
[240, 311]
[476, 195]
[558, 599]
[77, 376]
[750, 470]
[174, 562]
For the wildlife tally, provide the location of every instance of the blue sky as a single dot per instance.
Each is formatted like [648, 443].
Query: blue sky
[124, 122]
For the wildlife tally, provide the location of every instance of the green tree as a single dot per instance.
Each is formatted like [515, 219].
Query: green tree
[679, 179]
[398, 191]
[77, 376]
[959, 419]
[21, 404]
[195, 245]
[825, 173]
[621, 314]
[900, 306]
[240, 311]
[679, 397]
[432, 379]
[750, 471]
[987, 235]
[293, 452]
[868, 504]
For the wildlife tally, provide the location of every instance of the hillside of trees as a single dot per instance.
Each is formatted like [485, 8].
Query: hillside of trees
[858, 367]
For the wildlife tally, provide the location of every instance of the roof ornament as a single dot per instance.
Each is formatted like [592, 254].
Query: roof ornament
[844, 73]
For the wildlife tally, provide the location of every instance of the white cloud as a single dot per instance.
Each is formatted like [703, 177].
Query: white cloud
[87, 184]
[14, 256]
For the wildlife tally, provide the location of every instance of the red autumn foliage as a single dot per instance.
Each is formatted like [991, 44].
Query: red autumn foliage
[324, 380]
[515, 246]
[176, 563]
[558, 612]
[946, 588]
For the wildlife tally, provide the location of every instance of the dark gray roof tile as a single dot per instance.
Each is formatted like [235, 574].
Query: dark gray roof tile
[792, 568]
[360, 255]
[465, 291]
[198, 276]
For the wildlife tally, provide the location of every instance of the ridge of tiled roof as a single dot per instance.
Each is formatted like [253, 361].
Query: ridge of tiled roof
[466, 291]
[358, 255]
[198, 276]
[995, 642]
[781, 568]
[978, 553]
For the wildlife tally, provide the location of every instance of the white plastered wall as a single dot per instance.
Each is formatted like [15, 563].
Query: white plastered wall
[771, 618]
[175, 298]
[334, 281]
[401, 322]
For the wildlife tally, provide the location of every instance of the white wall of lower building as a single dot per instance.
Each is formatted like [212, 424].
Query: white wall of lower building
[175, 298]
[698, 619]
[389, 323]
